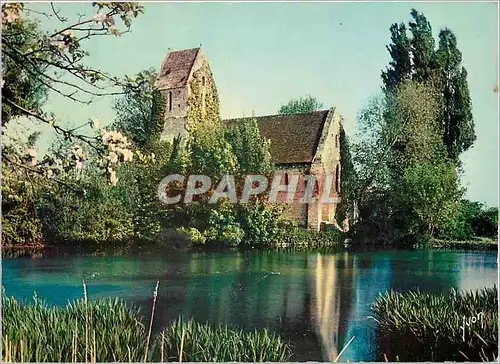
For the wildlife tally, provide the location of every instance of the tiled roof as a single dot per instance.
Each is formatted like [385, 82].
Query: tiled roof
[176, 68]
[294, 138]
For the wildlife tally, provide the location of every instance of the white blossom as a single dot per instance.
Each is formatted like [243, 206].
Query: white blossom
[113, 157]
[100, 18]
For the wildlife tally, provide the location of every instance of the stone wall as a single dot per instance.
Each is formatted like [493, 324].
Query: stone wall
[176, 108]
[193, 103]
[203, 99]
[296, 211]
[326, 162]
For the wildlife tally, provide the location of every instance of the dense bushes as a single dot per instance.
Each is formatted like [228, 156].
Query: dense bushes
[110, 331]
[94, 213]
[419, 326]
[473, 219]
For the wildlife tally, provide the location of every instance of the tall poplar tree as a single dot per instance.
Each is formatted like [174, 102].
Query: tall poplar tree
[417, 58]
[400, 65]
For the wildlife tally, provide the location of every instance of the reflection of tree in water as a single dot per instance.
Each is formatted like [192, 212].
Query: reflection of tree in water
[246, 291]
[425, 270]
[331, 284]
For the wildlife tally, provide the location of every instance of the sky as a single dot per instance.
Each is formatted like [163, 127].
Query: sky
[264, 54]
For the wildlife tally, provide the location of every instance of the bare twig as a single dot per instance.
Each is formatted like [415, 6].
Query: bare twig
[155, 294]
[343, 349]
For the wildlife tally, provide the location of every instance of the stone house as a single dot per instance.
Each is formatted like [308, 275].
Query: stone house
[300, 144]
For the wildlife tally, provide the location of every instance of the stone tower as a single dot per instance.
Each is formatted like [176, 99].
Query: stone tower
[188, 87]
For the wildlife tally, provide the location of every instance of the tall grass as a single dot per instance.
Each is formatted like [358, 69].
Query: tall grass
[111, 331]
[191, 341]
[418, 326]
[105, 330]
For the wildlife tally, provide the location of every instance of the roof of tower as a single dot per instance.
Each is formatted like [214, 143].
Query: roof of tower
[176, 68]
[294, 138]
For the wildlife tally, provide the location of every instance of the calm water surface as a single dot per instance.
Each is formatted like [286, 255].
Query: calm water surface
[317, 301]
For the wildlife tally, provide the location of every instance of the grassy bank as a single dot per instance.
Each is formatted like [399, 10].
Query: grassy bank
[419, 326]
[474, 244]
[111, 331]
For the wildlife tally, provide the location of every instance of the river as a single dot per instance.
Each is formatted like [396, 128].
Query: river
[317, 301]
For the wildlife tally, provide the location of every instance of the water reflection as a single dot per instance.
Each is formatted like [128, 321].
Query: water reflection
[318, 302]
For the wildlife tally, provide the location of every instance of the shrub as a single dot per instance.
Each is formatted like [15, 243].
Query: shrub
[21, 224]
[264, 225]
[471, 220]
[418, 326]
[96, 214]
[300, 238]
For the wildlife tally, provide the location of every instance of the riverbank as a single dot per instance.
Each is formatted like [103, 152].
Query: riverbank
[476, 244]
[321, 242]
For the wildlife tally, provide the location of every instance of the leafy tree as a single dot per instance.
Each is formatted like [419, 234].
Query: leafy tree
[134, 109]
[400, 65]
[250, 149]
[400, 138]
[457, 120]
[348, 181]
[300, 106]
[416, 58]
[211, 154]
[422, 47]
[472, 219]
[37, 63]
[99, 215]
[18, 84]
[430, 194]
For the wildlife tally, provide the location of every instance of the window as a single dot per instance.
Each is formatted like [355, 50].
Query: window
[336, 141]
[203, 81]
[286, 179]
[170, 101]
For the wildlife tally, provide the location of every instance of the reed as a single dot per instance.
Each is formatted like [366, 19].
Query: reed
[109, 330]
[418, 326]
[190, 341]
[37, 332]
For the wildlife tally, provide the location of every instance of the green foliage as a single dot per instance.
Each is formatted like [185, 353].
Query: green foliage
[194, 235]
[400, 64]
[21, 224]
[457, 120]
[430, 195]
[193, 342]
[223, 227]
[203, 100]
[134, 109]
[95, 213]
[411, 124]
[250, 149]
[18, 83]
[105, 330]
[409, 322]
[440, 67]
[348, 180]
[408, 186]
[264, 225]
[472, 219]
[210, 153]
[295, 238]
[301, 106]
